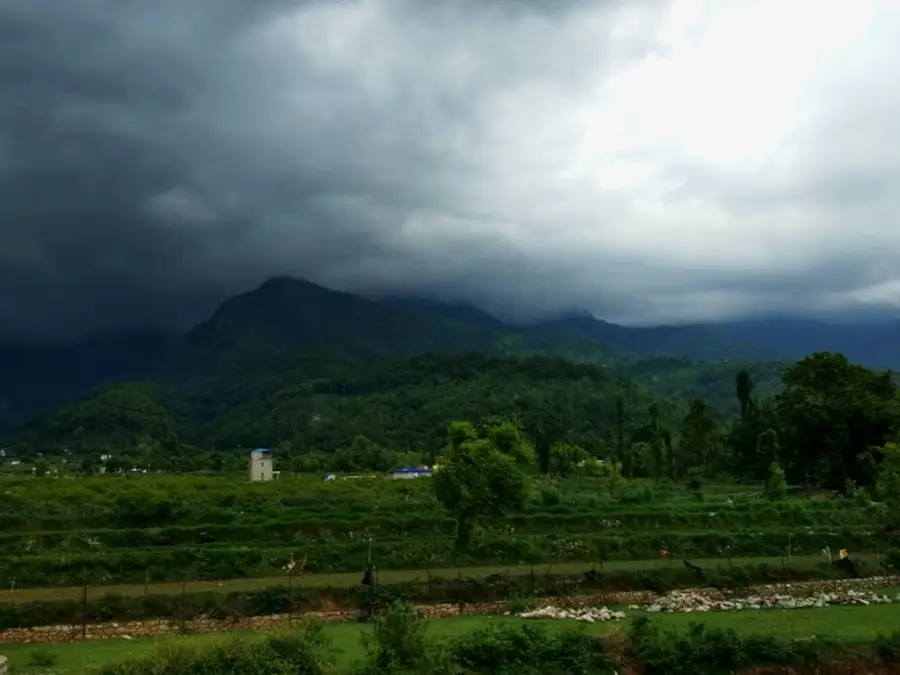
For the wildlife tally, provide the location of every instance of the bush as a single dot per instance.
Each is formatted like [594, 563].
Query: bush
[702, 650]
[398, 645]
[519, 604]
[306, 652]
[888, 647]
[527, 650]
[776, 483]
[892, 559]
[550, 496]
[42, 657]
[694, 481]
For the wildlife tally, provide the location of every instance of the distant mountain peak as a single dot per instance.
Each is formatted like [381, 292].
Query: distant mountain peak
[279, 282]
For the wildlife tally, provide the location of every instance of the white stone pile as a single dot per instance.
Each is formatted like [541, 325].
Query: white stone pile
[692, 601]
[768, 597]
[589, 614]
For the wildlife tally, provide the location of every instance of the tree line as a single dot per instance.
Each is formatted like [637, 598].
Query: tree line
[834, 425]
[823, 427]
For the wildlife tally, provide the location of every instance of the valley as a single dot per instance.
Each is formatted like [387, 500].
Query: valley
[574, 471]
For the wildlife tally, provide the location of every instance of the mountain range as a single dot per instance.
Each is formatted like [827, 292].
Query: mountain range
[270, 328]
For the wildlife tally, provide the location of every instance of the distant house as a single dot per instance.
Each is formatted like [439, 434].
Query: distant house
[412, 472]
[262, 466]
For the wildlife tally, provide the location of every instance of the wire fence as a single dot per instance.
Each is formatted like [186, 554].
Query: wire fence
[295, 595]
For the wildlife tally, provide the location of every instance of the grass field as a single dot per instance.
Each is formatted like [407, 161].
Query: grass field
[346, 580]
[842, 623]
[115, 532]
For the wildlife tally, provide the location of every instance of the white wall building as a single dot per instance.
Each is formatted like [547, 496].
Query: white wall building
[261, 466]
[412, 472]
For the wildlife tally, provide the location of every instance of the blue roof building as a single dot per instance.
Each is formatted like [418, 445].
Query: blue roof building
[412, 472]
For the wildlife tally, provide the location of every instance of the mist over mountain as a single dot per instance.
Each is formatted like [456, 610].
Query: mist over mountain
[284, 320]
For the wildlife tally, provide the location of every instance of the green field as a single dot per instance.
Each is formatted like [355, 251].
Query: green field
[128, 531]
[848, 624]
[184, 546]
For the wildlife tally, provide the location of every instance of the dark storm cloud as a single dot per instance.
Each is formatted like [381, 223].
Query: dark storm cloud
[157, 157]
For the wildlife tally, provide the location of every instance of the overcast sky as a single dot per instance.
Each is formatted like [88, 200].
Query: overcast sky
[648, 161]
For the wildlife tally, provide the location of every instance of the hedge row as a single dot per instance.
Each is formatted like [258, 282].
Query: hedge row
[359, 508]
[213, 563]
[462, 591]
[287, 532]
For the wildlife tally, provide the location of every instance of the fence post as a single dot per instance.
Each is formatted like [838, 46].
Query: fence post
[291, 592]
[183, 607]
[84, 602]
[533, 587]
[146, 582]
[12, 591]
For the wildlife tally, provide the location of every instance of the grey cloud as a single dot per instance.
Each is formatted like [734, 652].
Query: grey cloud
[155, 158]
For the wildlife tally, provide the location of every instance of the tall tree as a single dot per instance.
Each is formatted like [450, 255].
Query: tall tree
[622, 453]
[657, 440]
[565, 459]
[485, 475]
[744, 388]
[888, 484]
[830, 414]
[767, 448]
[698, 431]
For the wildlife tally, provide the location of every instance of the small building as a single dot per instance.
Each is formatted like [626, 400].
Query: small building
[412, 472]
[262, 466]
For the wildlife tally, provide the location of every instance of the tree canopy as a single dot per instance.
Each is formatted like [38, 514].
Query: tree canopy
[486, 473]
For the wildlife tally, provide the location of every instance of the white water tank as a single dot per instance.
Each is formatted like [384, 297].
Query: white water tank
[261, 466]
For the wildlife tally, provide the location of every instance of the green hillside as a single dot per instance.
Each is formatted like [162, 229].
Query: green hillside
[313, 371]
[400, 403]
[286, 325]
[276, 327]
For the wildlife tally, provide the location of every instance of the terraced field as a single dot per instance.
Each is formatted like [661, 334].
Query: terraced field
[122, 531]
[135, 548]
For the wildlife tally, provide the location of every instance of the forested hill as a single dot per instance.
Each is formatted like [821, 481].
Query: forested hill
[334, 380]
[293, 363]
[254, 338]
[401, 403]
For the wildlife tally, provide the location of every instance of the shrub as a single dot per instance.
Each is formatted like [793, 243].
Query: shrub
[305, 652]
[398, 645]
[776, 483]
[527, 650]
[42, 657]
[550, 496]
[519, 604]
[701, 650]
[888, 647]
[694, 481]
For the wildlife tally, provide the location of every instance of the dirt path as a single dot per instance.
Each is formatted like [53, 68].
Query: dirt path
[347, 580]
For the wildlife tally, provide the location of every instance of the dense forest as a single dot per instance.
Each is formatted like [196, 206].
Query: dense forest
[334, 381]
